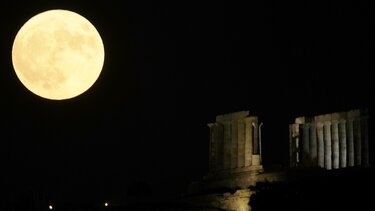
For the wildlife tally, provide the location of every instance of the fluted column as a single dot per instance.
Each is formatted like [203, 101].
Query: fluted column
[255, 139]
[241, 143]
[256, 160]
[319, 129]
[335, 144]
[305, 143]
[292, 161]
[357, 142]
[313, 144]
[234, 139]
[342, 142]
[350, 144]
[227, 145]
[248, 142]
[293, 149]
[327, 145]
[219, 145]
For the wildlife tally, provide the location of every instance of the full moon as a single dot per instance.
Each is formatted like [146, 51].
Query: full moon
[58, 54]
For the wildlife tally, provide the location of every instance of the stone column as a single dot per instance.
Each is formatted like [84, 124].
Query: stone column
[298, 144]
[260, 141]
[220, 154]
[319, 130]
[335, 144]
[227, 146]
[357, 142]
[313, 145]
[327, 145]
[305, 143]
[255, 139]
[256, 156]
[234, 134]
[350, 143]
[248, 142]
[365, 155]
[241, 143]
[292, 146]
[342, 143]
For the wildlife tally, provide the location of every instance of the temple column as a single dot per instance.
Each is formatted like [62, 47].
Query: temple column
[357, 142]
[255, 138]
[293, 139]
[313, 144]
[298, 144]
[319, 130]
[350, 143]
[227, 146]
[234, 135]
[342, 143]
[305, 143]
[248, 142]
[335, 144]
[256, 156]
[241, 143]
[327, 145]
[219, 146]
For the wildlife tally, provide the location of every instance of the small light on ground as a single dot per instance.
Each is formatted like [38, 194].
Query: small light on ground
[106, 204]
[50, 207]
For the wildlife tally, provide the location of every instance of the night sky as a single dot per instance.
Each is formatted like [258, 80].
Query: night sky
[170, 68]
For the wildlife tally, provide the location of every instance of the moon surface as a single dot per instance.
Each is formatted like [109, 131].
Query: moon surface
[58, 54]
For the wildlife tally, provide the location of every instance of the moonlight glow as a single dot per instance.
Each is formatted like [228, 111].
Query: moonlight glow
[58, 54]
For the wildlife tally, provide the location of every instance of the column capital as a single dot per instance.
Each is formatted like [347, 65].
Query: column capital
[335, 121]
[342, 121]
[319, 124]
[327, 123]
[351, 119]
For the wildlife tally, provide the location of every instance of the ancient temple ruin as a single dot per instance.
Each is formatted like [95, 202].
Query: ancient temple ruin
[330, 141]
[235, 163]
[235, 144]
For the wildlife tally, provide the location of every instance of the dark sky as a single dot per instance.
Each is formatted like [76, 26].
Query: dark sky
[170, 68]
